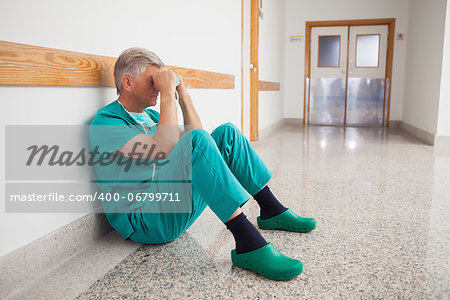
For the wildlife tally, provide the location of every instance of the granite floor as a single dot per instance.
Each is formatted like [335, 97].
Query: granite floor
[382, 204]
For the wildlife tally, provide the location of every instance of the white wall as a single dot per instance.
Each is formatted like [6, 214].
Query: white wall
[443, 127]
[271, 61]
[201, 34]
[300, 11]
[40, 106]
[424, 63]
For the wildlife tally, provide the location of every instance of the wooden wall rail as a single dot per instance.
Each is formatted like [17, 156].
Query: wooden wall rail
[269, 86]
[32, 65]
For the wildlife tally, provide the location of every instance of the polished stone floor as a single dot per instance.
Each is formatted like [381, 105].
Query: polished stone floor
[382, 204]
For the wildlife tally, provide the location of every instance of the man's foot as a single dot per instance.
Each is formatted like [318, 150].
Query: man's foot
[289, 221]
[268, 262]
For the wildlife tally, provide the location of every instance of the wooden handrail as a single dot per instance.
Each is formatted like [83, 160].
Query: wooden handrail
[22, 64]
[269, 86]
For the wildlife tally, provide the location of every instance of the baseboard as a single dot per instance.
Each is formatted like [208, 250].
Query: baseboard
[293, 121]
[442, 141]
[27, 264]
[394, 124]
[422, 135]
[269, 130]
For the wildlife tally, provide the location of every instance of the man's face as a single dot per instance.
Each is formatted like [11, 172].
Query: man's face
[144, 91]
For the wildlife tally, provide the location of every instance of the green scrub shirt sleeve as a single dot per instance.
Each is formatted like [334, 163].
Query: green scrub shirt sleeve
[111, 133]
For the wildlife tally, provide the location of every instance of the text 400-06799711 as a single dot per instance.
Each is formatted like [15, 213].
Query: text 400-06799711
[171, 197]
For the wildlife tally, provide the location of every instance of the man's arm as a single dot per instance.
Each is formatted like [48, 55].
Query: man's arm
[190, 115]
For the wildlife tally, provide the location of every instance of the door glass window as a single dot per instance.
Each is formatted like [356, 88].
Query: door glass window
[329, 51]
[367, 51]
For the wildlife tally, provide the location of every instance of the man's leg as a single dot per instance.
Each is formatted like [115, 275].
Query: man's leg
[241, 158]
[253, 174]
[214, 181]
[214, 184]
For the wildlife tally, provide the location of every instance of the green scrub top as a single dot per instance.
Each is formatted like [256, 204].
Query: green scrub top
[113, 178]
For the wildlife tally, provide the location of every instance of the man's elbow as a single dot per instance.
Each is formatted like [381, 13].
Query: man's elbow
[166, 144]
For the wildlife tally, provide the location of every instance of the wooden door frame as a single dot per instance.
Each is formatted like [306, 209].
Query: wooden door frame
[254, 78]
[389, 55]
[242, 65]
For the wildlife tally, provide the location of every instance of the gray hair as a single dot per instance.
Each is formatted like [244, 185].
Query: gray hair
[133, 62]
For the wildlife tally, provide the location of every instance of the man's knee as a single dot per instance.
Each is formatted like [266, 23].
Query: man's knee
[229, 126]
[226, 127]
[201, 136]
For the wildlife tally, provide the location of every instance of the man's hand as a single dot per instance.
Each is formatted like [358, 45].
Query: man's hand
[164, 81]
[182, 90]
[190, 115]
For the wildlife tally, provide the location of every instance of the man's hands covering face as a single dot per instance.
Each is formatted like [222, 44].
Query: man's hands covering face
[164, 81]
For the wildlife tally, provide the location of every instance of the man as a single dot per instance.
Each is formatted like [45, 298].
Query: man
[223, 167]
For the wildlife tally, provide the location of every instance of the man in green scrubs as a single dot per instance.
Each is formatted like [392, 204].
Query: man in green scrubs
[191, 169]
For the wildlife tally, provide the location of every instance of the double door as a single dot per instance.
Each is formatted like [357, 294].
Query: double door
[347, 84]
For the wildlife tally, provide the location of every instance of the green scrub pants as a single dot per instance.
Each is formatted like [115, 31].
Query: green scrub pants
[225, 170]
